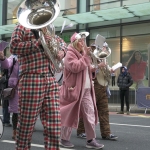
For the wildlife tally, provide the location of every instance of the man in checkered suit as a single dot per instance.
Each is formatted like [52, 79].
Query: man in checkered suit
[38, 90]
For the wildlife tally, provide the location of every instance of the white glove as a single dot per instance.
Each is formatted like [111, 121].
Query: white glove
[105, 44]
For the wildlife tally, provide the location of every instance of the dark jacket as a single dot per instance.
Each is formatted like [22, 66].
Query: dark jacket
[124, 81]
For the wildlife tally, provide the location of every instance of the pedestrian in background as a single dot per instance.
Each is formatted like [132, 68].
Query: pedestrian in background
[77, 97]
[11, 63]
[113, 76]
[4, 84]
[124, 81]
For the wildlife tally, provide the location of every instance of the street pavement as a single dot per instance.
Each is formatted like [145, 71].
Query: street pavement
[113, 107]
[133, 132]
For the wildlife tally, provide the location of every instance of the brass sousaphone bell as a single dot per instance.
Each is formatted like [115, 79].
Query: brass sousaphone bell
[99, 52]
[36, 14]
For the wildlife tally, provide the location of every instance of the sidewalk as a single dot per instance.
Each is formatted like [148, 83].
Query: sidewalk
[133, 108]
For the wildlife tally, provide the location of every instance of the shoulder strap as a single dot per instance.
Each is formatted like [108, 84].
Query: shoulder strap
[36, 33]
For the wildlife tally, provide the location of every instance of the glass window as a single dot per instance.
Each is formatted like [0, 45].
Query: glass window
[68, 7]
[103, 4]
[135, 57]
[106, 32]
[12, 21]
[114, 44]
[95, 4]
[136, 29]
[12, 7]
[132, 2]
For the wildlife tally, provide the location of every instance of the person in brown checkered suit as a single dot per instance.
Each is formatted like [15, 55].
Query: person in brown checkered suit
[38, 90]
[100, 87]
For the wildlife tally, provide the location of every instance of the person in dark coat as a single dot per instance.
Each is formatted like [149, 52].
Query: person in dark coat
[124, 81]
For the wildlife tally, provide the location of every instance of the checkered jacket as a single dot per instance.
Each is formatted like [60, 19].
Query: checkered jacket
[31, 55]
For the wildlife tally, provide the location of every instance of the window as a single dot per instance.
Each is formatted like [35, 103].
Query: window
[132, 47]
[136, 29]
[103, 4]
[68, 7]
[133, 2]
[12, 7]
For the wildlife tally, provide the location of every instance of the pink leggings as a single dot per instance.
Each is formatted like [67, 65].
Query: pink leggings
[87, 110]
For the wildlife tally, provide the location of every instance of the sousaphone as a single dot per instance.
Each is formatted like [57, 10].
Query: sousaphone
[36, 14]
[102, 50]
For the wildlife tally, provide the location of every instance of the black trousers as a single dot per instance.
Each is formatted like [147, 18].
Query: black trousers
[14, 120]
[0, 97]
[113, 80]
[124, 94]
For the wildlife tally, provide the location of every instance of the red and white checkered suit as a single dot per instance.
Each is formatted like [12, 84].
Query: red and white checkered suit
[38, 91]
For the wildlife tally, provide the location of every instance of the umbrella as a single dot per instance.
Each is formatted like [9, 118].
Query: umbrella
[3, 45]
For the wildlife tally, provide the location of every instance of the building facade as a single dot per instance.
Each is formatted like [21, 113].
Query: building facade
[124, 23]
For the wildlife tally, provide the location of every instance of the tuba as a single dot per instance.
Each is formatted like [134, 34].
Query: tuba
[101, 52]
[39, 14]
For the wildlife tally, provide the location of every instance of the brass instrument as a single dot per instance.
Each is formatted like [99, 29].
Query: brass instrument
[39, 14]
[36, 14]
[101, 52]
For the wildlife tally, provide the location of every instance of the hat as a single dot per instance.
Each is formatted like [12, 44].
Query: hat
[74, 37]
[84, 33]
[125, 68]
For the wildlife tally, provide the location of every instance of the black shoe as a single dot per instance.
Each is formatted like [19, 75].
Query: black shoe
[110, 137]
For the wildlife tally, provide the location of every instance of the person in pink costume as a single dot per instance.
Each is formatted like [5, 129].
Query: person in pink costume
[77, 98]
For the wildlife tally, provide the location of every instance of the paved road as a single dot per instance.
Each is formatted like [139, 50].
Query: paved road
[133, 132]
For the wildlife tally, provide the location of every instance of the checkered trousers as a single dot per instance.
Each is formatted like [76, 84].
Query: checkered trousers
[38, 94]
